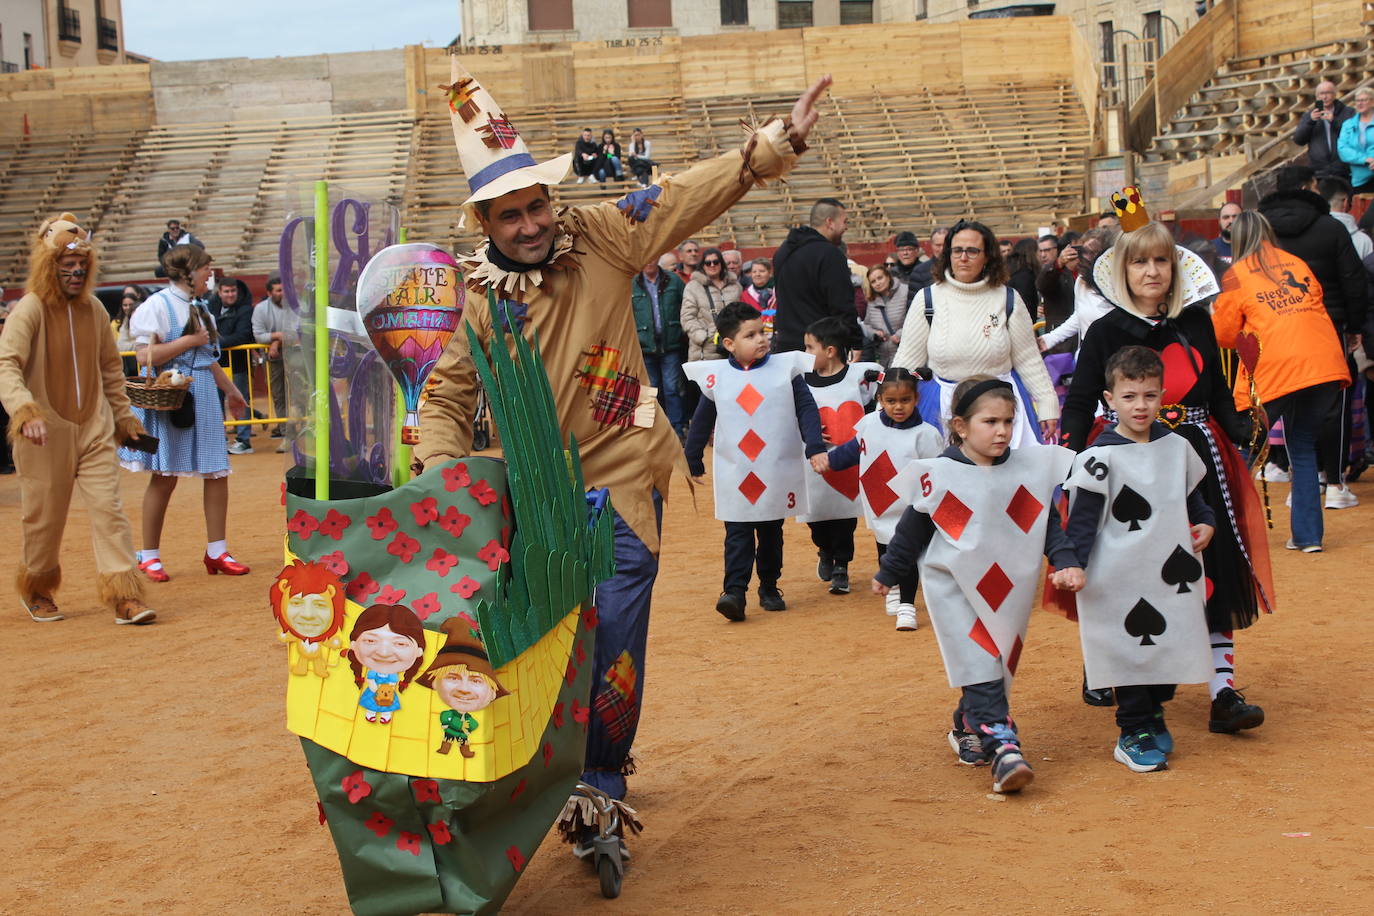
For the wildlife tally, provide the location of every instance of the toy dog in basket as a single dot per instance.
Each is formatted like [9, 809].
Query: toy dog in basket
[449, 614]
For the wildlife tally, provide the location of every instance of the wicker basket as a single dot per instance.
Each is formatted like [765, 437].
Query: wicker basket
[141, 393]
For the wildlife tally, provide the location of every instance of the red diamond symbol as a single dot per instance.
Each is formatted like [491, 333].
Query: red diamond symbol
[1015, 655]
[1024, 509]
[751, 445]
[952, 515]
[874, 481]
[749, 399]
[752, 487]
[994, 586]
[980, 635]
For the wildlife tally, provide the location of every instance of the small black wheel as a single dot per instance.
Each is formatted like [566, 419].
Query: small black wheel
[481, 437]
[610, 877]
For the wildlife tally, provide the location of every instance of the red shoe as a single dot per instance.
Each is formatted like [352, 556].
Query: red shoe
[157, 575]
[224, 564]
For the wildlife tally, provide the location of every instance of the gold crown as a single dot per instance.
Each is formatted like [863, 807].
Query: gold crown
[1130, 209]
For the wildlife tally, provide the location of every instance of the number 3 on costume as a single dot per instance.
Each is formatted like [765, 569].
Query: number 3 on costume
[711, 380]
[791, 500]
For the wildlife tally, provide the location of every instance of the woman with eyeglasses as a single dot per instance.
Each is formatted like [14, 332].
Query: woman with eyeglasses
[174, 331]
[975, 324]
[711, 289]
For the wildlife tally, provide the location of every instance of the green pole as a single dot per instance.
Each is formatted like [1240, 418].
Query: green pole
[400, 467]
[321, 411]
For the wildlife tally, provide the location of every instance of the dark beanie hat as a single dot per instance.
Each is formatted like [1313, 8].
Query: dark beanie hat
[906, 238]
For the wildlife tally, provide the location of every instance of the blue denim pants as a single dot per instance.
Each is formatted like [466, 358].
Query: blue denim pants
[1303, 412]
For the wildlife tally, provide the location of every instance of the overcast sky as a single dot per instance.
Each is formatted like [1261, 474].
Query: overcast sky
[283, 28]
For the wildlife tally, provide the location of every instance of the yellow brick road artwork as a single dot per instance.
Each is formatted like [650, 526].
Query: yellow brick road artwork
[325, 710]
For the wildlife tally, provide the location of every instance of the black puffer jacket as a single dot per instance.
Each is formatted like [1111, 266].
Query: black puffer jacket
[811, 282]
[235, 324]
[1305, 227]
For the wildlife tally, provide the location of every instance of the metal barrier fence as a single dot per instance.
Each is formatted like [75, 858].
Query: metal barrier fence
[243, 360]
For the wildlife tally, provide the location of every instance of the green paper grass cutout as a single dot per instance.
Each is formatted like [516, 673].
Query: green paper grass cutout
[561, 558]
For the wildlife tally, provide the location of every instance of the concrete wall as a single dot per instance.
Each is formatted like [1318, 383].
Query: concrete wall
[16, 18]
[245, 89]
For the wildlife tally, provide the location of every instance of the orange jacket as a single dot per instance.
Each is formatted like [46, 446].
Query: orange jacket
[1298, 343]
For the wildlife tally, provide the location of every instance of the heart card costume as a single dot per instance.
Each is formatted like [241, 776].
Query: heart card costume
[835, 494]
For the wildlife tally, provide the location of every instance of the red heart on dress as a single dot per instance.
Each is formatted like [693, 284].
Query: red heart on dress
[838, 424]
[1248, 347]
[1179, 374]
[1230, 659]
[1210, 587]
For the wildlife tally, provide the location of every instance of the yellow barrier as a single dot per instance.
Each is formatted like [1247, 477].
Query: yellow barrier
[249, 357]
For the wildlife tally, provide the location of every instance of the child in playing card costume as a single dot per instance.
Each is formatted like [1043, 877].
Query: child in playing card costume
[62, 383]
[884, 442]
[1153, 284]
[763, 417]
[981, 518]
[843, 392]
[1137, 506]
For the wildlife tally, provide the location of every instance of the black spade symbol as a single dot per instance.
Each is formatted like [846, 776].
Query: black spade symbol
[1181, 568]
[1131, 508]
[1144, 621]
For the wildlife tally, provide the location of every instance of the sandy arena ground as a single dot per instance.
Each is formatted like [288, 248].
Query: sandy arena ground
[795, 763]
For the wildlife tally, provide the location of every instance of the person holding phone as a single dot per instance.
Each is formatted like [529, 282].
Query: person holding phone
[62, 383]
[1320, 130]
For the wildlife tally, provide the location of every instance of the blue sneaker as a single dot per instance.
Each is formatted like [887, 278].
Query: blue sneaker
[1139, 753]
[1163, 740]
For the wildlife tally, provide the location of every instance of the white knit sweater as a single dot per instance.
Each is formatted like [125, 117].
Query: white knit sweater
[972, 336]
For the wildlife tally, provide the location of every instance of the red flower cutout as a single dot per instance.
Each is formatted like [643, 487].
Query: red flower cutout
[379, 824]
[426, 790]
[391, 595]
[456, 477]
[442, 562]
[283, 492]
[493, 554]
[356, 786]
[472, 624]
[403, 546]
[558, 715]
[571, 674]
[320, 806]
[465, 587]
[440, 833]
[483, 493]
[581, 653]
[408, 842]
[454, 522]
[515, 793]
[302, 524]
[334, 524]
[517, 860]
[505, 507]
[425, 510]
[361, 587]
[425, 605]
[589, 617]
[580, 712]
[548, 753]
[335, 563]
[381, 524]
[505, 536]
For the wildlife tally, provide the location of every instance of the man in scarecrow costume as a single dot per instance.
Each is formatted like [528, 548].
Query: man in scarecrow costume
[564, 274]
[62, 382]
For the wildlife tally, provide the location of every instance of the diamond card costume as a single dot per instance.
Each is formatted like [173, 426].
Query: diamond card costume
[980, 570]
[763, 477]
[884, 450]
[1141, 615]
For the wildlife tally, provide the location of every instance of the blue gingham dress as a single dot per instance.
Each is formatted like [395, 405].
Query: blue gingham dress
[200, 450]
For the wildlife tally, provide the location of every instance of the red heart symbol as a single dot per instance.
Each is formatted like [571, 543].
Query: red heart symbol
[1230, 659]
[838, 424]
[1210, 586]
[1179, 374]
[1248, 347]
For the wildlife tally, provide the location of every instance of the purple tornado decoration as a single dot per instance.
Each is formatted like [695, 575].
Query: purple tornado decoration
[410, 299]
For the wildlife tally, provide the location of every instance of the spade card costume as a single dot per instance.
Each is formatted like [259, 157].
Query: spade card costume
[1141, 613]
[757, 465]
[841, 403]
[980, 567]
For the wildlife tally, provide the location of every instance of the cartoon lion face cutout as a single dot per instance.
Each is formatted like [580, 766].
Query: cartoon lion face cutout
[308, 603]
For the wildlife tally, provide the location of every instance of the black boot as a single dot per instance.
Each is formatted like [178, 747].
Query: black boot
[825, 567]
[839, 580]
[770, 598]
[1230, 713]
[1103, 696]
[730, 605]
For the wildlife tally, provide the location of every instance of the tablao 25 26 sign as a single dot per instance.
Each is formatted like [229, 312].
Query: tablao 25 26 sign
[410, 299]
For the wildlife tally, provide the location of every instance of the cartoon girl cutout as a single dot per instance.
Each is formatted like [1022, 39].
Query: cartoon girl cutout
[386, 648]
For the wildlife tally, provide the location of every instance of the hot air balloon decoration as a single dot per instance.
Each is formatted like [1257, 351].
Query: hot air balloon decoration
[410, 299]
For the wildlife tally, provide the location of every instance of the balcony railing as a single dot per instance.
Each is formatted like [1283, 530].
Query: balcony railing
[68, 24]
[106, 34]
[8, 67]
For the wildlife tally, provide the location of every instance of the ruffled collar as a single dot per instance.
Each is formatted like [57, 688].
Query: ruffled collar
[511, 279]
